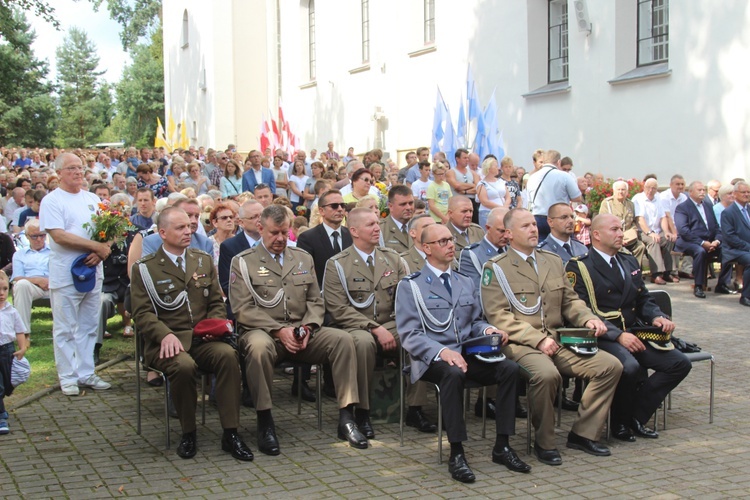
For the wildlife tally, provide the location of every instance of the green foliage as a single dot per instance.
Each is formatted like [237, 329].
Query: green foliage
[10, 8]
[136, 17]
[27, 109]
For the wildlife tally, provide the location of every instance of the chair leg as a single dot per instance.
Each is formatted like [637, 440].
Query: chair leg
[528, 420]
[711, 394]
[138, 393]
[440, 425]
[559, 404]
[167, 395]
[484, 412]
[319, 396]
[667, 406]
[402, 403]
[298, 376]
[204, 379]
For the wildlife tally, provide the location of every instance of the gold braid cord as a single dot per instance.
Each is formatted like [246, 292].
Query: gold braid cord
[586, 277]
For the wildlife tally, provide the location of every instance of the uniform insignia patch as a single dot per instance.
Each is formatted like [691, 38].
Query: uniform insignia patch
[571, 277]
[162, 282]
[487, 277]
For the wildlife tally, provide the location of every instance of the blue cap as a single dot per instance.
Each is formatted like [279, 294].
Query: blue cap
[84, 277]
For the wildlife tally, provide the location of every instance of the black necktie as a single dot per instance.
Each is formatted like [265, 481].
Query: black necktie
[370, 265]
[567, 249]
[336, 246]
[179, 263]
[616, 275]
[447, 282]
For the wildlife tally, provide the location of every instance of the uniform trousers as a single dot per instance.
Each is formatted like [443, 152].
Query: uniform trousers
[74, 331]
[451, 381]
[368, 348]
[214, 357]
[602, 370]
[631, 400]
[24, 294]
[700, 264]
[329, 345]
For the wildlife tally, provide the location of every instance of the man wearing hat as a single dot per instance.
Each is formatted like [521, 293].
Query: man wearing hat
[611, 283]
[177, 304]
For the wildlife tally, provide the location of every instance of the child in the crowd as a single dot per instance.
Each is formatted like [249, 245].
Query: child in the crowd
[11, 329]
[583, 222]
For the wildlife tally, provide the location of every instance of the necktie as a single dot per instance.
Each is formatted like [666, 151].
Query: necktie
[466, 237]
[616, 275]
[179, 263]
[277, 258]
[403, 230]
[566, 246]
[744, 212]
[447, 282]
[336, 246]
[530, 260]
[369, 263]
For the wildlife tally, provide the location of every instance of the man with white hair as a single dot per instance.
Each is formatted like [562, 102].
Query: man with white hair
[30, 272]
[652, 220]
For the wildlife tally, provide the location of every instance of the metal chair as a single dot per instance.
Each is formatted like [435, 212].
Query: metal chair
[664, 301]
[318, 389]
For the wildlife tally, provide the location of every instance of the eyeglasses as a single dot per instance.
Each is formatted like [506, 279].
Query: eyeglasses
[441, 242]
[75, 169]
[225, 217]
[336, 206]
[223, 158]
[366, 180]
[563, 217]
[36, 236]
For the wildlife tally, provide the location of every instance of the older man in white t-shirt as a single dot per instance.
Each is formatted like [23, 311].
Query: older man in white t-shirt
[652, 220]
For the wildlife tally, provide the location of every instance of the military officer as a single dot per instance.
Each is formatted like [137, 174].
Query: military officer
[437, 310]
[393, 229]
[172, 290]
[619, 296]
[415, 256]
[525, 293]
[358, 289]
[560, 240]
[279, 310]
[460, 212]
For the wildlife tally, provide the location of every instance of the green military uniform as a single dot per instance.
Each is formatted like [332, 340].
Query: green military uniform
[541, 303]
[626, 213]
[415, 262]
[474, 232]
[178, 301]
[267, 297]
[358, 299]
[393, 237]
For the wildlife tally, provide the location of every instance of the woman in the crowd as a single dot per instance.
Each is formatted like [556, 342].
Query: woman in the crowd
[361, 181]
[491, 191]
[195, 179]
[297, 183]
[231, 182]
[222, 218]
[146, 178]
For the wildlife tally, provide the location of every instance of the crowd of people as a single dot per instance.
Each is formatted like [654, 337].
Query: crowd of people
[337, 260]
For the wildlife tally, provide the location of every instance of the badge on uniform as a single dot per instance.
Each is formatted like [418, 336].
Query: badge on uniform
[167, 299]
[262, 271]
[358, 280]
[428, 279]
[487, 277]
[91, 207]
[163, 282]
[571, 277]
[387, 273]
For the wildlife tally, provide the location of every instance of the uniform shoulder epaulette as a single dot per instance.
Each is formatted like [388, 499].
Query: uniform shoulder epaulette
[471, 247]
[248, 251]
[542, 244]
[548, 252]
[295, 249]
[498, 258]
[197, 251]
[412, 275]
[477, 226]
[580, 257]
[343, 253]
[625, 251]
[146, 258]
[388, 250]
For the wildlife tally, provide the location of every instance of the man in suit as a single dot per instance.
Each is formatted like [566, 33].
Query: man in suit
[257, 174]
[358, 290]
[460, 210]
[279, 313]
[249, 214]
[192, 208]
[562, 224]
[393, 229]
[515, 288]
[698, 236]
[172, 290]
[432, 330]
[735, 229]
[712, 192]
[611, 284]
[328, 238]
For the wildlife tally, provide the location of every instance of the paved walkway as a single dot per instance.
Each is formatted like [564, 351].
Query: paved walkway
[87, 447]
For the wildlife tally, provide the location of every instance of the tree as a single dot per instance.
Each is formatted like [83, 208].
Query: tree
[137, 17]
[84, 101]
[9, 8]
[27, 109]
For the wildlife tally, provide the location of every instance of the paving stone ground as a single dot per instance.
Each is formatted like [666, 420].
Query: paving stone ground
[87, 447]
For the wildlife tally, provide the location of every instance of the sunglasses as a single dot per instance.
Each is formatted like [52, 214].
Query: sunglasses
[225, 217]
[336, 206]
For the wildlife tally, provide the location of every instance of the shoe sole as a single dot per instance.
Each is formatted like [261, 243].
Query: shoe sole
[512, 469]
[582, 448]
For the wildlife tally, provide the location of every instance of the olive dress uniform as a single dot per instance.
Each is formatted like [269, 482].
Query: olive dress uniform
[393, 237]
[358, 299]
[625, 211]
[560, 306]
[285, 295]
[474, 233]
[157, 320]
[415, 261]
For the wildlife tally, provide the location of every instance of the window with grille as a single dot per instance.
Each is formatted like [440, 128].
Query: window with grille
[653, 31]
[557, 29]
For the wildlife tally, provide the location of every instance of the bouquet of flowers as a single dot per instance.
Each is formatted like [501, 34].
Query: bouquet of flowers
[302, 210]
[383, 207]
[110, 224]
[603, 189]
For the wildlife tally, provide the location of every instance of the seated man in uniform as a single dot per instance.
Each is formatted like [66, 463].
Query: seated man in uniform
[562, 223]
[611, 283]
[515, 287]
[172, 290]
[437, 310]
[460, 212]
[358, 288]
[276, 301]
[393, 229]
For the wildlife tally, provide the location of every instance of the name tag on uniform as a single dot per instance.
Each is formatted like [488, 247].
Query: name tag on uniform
[357, 280]
[163, 282]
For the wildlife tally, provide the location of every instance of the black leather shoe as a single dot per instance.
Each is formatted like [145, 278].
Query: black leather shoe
[350, 432]
[722, 289]
[490, 408]
[232, 442]
[365, 426]
[415, 418]
[188, 446]
[508, 458]
[460, 470]
[521, 412]
[549, 457]
[568, 404]
[307, 394]
[641, 430]
[577, 442]
[623, 433]
[698, 292]
[744, 301]
[267, 441]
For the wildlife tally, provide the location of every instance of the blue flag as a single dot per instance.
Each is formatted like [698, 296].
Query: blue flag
[437, 124]
[461, 129]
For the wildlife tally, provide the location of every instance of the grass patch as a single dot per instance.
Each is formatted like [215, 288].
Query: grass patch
[41, 353]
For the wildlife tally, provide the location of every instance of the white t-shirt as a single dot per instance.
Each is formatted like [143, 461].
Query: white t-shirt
[300, 183]
[63, 210]
[557, 187]
[419, 189]
[651, 210]
[10, 324]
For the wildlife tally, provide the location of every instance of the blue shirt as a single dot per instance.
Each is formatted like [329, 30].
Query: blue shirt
[28, 263]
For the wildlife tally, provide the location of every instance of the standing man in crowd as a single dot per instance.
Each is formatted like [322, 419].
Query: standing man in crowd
[257, 174]
[547, 186]
[146, 205]
[463, 180]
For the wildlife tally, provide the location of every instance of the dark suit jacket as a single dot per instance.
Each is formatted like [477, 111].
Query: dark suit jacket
[691, 229]
[266, 175]
[735, 231]
[227, 250]
[316, 242]
[633, 300]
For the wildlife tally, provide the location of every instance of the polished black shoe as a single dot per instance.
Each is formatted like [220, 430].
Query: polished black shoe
[641, 430]
[567, 404]
[268, 444]
[349, 431]
[490, 408]
[623, 433]
[507, 457]
[232, 442]
[460, 470]
[722, 289]
[365, 426]
[188, 445]
[415, 418]
[521, 412]
[744, 301]
[307, 394]
[577, 442]
[549, 457]
[698, 292]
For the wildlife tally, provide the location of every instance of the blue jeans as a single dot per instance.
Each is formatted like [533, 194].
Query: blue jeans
[6, 389]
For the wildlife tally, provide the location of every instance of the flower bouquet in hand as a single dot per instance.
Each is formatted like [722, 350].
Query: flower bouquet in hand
[110, 224]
